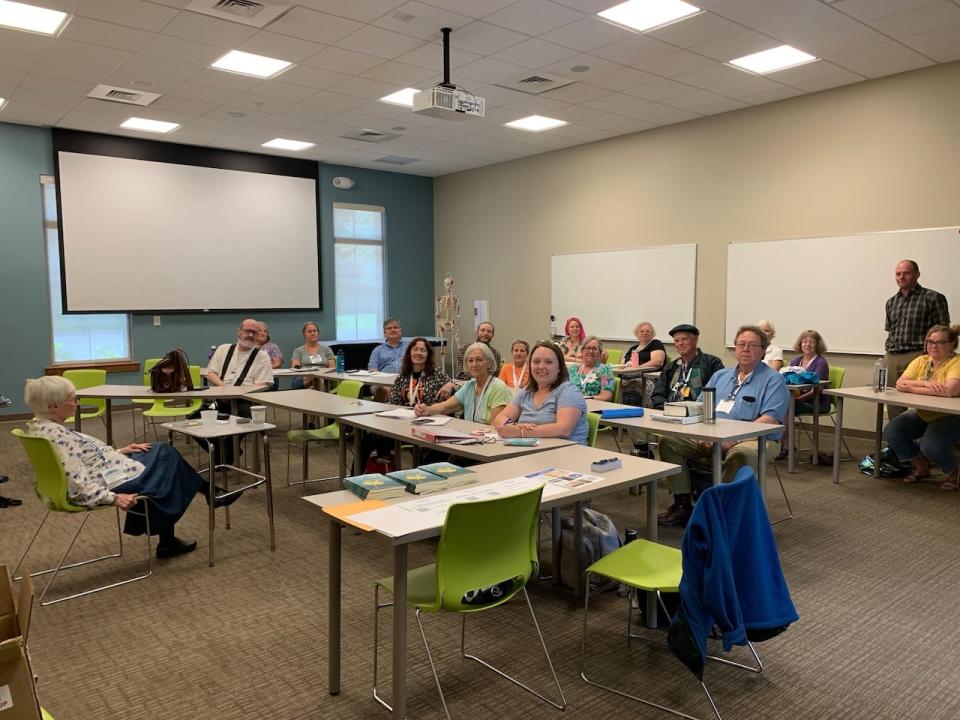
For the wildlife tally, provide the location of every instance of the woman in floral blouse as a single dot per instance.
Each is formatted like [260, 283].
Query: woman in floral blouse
[98, 474]
[592, 377]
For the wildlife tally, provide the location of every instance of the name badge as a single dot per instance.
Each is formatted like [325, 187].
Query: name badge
[725, 406]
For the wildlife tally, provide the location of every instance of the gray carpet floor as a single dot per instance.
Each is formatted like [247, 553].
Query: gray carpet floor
[872, 565]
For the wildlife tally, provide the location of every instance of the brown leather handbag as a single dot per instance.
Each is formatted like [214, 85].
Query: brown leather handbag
[171, 374]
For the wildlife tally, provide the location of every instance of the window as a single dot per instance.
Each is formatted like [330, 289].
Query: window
[81, 338]
[358, 271]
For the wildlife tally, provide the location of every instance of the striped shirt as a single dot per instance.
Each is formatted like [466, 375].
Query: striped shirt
[910, 316]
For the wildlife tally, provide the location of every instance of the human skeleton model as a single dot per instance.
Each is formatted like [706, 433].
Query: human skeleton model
[448, 324]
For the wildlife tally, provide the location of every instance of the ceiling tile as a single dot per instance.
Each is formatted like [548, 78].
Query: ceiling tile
[27, 114]
[183, 105]
[430, 57]
[380, 42]
[394, 113]
[489, 70]
[24, 42]
[11, 79]
[622, 78]
[705, 103]
[499, 96]
[422, 21]
[213, 31]
[675, 63]
[633, 50]
[10, 60]
[879, 60]
[49, 83]
[587, 34]
[310, 77]
[281, 123]
[235, 117]
[577, 93]
[315, 26]
[941, 45]
[172, 48]
[86, 53]
[139, 81]
[803, 74]
[659, 89]
[361, 10]
[362, 87]
[926, 19]
[160, 67]
[534, 17]
[275, 45]
[225, 80]
[828, 44]
[843, 77]
[484, 39]
[399, 74]
[753, 12]
[869, 10]
[259, 103]
[40, 97]
[696, 30]
[733, 46]
[133, 13]
[534, 53]
[202, 93]
[583, 133]
[780, 93]
[277, 90]
[607, 121]
[108, 34]
[343, 61]
[71, 70]
[807, 22]
[535, 105]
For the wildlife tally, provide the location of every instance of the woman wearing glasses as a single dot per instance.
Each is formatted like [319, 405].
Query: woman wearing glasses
[97, 474]
[482, 397]
[591, 377]
[549, 406]
[921, 436]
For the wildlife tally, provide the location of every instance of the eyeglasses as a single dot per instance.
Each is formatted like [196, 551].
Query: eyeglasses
[939, 342]
[592, 348]
[747, 346]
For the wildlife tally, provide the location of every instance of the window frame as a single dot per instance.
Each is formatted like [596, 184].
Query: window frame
[381, 243]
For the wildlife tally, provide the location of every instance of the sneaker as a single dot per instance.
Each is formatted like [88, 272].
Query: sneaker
[175, 547]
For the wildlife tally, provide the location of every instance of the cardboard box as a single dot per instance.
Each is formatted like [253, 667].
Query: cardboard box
[18, 693]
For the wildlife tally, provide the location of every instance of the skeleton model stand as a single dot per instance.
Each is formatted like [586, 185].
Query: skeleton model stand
[448, 324]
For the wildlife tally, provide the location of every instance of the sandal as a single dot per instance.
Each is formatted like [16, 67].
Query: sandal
[951, 481]
[916, 476]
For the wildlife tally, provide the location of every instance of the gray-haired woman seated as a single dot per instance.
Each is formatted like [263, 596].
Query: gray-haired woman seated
[98, 474]
[482, 397]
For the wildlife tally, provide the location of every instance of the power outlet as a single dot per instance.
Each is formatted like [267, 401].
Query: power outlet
[156, 321]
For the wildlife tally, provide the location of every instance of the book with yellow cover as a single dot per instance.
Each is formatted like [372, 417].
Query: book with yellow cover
[418, 481]
[374, 485]
[454, 474]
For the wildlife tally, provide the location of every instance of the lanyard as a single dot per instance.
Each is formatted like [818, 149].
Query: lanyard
[739, 386]
[523, 372]
[478, 402]
[582, 379]
[415, 392]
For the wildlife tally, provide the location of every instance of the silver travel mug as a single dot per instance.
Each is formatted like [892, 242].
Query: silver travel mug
[708, 396]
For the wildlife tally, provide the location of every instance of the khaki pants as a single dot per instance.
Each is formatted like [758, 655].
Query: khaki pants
[896, 363]
[679, 450]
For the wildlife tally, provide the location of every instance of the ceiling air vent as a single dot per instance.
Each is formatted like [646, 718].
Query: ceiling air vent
[396, 160]
[247, 12]
[370, 136]
[122, 95]
[536, 84]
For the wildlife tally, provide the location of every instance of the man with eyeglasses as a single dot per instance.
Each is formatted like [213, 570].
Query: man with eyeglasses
[750, 391]
[386, 356]
[485, 331]
[909, 315]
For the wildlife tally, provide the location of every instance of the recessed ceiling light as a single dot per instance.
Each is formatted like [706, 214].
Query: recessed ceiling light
[536, 123]
[249, 64]
[154, 126]
[281, 144]
[2, 103]
[33, 19]
[401, 97]
[768, 61]
[645, 15]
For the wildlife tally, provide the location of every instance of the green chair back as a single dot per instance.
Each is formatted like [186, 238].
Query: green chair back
[614, 356]
[349, 389]
[50, 479]
[835, 376]
[485, 543]
[593, 424]
[147, 367]
[84, 378]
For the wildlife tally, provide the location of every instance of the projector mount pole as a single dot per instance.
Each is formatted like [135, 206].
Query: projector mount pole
[446, 59]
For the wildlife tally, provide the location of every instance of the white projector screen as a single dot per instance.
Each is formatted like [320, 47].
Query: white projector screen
[145, 236]
[613, 291]
[837, 286]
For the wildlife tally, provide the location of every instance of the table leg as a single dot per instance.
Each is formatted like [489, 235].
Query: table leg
[717, 463]
[342, 451]
[762, 465]
[109, 414]
[837, 437]
[400, 632]
[357, 450]
[578, 543]
[234, 410]
[555, 543]
[333, 607]
[398, 454]
[878, 439]
[791, 450]
[268, 476]
[212, 476]
[651, 613]
[816, 425]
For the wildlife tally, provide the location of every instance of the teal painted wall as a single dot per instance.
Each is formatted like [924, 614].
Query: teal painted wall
[26, 153]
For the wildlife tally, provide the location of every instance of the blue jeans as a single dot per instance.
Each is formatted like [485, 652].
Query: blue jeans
[937, 438]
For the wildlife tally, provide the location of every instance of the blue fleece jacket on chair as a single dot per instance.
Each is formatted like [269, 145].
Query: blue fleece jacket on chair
[731, 573]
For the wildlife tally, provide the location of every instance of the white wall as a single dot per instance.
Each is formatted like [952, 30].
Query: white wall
[878, 155]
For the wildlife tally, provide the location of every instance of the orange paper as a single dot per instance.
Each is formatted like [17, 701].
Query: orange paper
[342, 512]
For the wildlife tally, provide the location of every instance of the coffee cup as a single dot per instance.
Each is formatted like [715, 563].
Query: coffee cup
[209, 417]
[258, 413]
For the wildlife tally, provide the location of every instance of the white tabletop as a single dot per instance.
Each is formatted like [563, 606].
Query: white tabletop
[573, 457]
[142, 391]
[721, 431]
[594, 405]
[891, 396]
[314, 402]
[367, 377]
[220, 428]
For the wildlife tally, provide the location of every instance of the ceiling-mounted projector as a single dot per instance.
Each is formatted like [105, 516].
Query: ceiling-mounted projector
[445, 100]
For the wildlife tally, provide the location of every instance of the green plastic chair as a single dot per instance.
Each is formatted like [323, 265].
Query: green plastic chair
[84, 378]
[593, 426]
[163, 409]
[51, 488]
[472, 559]
[147, 365]
[614, 356]
[835, 377]
[328, 434]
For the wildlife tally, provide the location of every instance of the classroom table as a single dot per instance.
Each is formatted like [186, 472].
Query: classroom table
[889, 396]
[716, 434]
[128, 392]
[211, 432]
[367, 377]
[575, 457]
[326, 405]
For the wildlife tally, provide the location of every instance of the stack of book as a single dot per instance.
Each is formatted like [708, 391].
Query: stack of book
[374, 486]
[453, 474]
[683, 413]
[419, 481]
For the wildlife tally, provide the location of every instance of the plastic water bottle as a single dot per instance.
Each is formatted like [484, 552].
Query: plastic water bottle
[553, 326]
[879, 376]
[213, 349]
[341, 363]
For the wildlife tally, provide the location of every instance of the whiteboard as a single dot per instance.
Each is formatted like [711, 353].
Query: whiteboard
[835, 285]
[141, 235]
[612, 291]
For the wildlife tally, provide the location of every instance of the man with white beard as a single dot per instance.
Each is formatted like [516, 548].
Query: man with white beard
[241, 363]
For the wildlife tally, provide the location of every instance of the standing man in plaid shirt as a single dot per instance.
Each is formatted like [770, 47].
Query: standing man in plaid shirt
[910, 313]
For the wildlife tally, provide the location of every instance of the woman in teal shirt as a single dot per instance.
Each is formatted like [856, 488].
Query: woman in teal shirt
[592, 377]
[482, 397]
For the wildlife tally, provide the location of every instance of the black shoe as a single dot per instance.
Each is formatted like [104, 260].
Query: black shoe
[679, 514]
[641, 450]
[175, 547]
[670, 510]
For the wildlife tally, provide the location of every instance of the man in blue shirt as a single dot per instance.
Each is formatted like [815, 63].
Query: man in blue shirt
[749, 391]
[387, 356]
